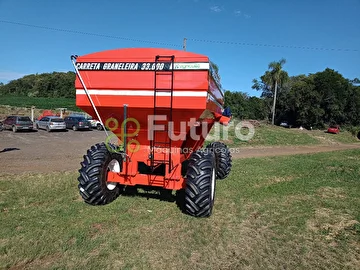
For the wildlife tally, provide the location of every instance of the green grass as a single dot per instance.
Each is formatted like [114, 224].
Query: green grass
[268, 135]
[39, 102]
[296, 212]
[343, 137]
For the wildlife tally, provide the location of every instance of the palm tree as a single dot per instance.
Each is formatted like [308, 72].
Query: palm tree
[276, 76]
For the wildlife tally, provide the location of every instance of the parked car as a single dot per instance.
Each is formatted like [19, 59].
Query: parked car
[51, 123]
[95, 123]
[77, 122]
[335, 129]
[17, 122]
[285, 124]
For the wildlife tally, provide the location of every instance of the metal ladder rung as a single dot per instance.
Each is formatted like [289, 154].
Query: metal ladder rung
[163, 72]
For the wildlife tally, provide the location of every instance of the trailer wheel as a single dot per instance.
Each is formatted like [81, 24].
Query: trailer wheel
[200, 184]
[222, 159]
[93, 185]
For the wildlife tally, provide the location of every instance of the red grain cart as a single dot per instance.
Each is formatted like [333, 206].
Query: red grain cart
[159, 104]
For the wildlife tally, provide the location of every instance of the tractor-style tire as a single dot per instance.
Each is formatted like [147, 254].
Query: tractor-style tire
[93, 185]
[223, 159]
[200, 184]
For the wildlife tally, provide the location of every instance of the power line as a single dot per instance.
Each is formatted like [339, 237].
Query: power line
[272, 45]
[88, 33]
[174, 45]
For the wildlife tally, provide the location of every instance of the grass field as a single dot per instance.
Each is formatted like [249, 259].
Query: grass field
[39, 102]
[297, 212]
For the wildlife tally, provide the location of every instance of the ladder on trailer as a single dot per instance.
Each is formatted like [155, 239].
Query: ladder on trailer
[164, 88]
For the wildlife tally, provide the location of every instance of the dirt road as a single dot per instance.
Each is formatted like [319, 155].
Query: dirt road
[44, 152]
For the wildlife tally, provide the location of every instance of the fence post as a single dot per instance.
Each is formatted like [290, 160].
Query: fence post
[32, 113]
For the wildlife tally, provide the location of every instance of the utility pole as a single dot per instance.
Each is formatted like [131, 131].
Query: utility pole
[184, 44]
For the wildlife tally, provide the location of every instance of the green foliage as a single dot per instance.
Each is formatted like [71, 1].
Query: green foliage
[244, 107]
[271, 76]
[314, 100]
[50, 85]
[355, 131]
[271, 82]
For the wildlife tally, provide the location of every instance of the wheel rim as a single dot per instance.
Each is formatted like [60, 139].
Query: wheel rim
[213, 177]
[113, 166]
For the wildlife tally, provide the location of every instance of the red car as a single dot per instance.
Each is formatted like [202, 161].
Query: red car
[335, 129]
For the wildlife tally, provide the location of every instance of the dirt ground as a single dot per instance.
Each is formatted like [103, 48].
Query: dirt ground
[43, 152]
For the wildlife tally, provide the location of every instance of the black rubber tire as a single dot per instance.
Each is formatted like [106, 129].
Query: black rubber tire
[200, 184]
[48, 129]
[93, 175]
[99, 127]
[14, 129]
[223, 159]
[74, 128]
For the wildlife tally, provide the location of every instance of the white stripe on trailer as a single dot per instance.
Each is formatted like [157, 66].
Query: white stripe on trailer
[146, 93]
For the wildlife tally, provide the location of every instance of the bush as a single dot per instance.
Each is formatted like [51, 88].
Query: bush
[355, 131]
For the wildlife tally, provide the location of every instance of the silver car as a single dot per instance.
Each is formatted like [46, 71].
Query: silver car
[50, 123]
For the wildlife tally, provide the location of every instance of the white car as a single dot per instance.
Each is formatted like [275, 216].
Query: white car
[50, 123]
[95, 124]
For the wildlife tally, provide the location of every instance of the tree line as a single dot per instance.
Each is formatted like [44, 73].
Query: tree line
[50, 85]
[312, 101]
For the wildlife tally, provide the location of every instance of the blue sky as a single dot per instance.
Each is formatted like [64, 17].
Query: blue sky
[329, 24]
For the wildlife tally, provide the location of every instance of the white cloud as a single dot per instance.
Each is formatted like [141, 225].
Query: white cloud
[216, 9]
[237, 12]
[6, 76]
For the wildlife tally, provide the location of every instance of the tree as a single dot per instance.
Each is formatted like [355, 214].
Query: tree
[278, 76]
[334, 90]
[56, 84]
[302, 104]
[244, 107]
[270, 82]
